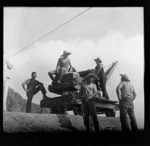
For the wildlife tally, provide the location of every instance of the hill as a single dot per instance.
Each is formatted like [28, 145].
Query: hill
[16, 103]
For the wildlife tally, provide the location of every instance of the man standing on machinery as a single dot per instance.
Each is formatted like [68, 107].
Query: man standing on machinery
[99, 71]
[63, 66]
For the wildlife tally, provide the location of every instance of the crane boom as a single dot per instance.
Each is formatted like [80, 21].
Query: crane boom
[109, 72]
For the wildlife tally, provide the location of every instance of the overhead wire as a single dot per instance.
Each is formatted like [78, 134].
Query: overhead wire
[10, 50]
[51, 31]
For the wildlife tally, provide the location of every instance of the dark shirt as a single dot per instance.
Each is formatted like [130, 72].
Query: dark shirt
[31, 84]
[99, 70]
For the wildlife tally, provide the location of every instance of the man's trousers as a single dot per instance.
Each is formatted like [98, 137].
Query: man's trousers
[89, 108]
[31, 94]
[127, 109]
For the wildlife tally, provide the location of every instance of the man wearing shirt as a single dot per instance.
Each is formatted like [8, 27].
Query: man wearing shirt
[99, 71]
[33, 87]
[88, 91]
[126, 94]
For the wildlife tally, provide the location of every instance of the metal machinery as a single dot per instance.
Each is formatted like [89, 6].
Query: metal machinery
[69, 100]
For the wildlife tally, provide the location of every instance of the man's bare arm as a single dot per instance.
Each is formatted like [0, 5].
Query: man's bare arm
[118, 93]
[134, 93]
[24, 87]
[70, 68]
[58, 64]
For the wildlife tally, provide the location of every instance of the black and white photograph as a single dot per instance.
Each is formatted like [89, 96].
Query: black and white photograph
[73, 69]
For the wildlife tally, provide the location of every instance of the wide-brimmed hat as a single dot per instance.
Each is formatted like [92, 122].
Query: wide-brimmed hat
[124, 76]
[90, 75]
[98, 59]
[66, 53]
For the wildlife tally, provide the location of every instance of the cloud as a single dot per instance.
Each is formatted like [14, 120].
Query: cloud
[129, 51]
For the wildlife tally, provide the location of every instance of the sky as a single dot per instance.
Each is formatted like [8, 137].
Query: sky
[111, 33]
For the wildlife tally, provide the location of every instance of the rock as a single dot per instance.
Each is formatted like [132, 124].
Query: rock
[15, 103]
[16, 120]
[31, 122]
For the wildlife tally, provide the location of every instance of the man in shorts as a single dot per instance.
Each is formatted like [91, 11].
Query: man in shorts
[63, 66]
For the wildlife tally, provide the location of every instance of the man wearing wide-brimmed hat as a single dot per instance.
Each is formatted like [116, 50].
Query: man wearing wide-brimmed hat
[63, 66]
[99, 71]
[126, 94]
[88, 91]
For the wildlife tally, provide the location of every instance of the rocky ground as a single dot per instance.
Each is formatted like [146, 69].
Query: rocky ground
[16, 103]
[14, 122]
[52, 129]
[20, 128]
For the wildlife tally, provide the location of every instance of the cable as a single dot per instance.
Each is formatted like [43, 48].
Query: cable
[50, 32]
[10, 50]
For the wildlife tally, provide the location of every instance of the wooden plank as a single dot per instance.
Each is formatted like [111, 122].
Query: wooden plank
[103, 100]
[106, 106]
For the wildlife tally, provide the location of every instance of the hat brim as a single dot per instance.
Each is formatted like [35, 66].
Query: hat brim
[90, 76]
[97, 60]
[125, 77]
[66, 54]
[121, 74]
